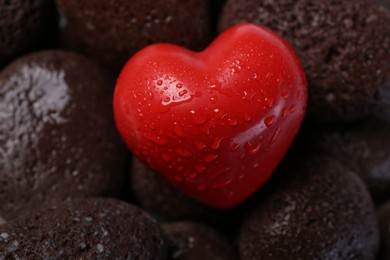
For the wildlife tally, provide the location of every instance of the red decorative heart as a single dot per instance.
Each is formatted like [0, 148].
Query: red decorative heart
[216, 123]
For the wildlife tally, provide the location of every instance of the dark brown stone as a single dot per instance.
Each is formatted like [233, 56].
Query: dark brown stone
[57, 133]
[344, 47]
[317, 209]
[112, 31]
[93, 228]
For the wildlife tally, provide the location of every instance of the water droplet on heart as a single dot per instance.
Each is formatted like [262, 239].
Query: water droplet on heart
[206, 130]
[269, 120]
[200, 146]
[216, 143]
[247, 117]
[255, 75]
[156, 139]
[182, 152]
[198, 94]
[192, 175]
[213, 100]
[269, 101]
[284, 94]
[291, 109]
[159, 82]
[235, 147]
[149, 162]
[179, 85]
[199, 119]
[201, 187]
[200, 168]
[178, 131]
[210, 158]
[150, 94]
[221, 184]
[232, 121]
[166, 157]
[284, 113]
[178, 178]
[252, 148]
[219, 173]
[183, 92]
[180, 169]
[165, 101]
[255, 165]
[275, 135]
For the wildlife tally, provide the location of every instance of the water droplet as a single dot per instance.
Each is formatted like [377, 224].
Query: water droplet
[178, 178]
[275, 135]
[216, 143]
[221, 184]
[200, 146]
[219, 173]
[232, 121]
[210, 158]
[200, 168]
[269, 101]
[241, 176]
[156, 139]
[255, 165]
[198, 94]
[149, 162]
[269, 120]
[213, 100]
[291, 109]
[284, 113]
[150, 94]
[284, 94]
[165, 101]
[180, 169]
[255, 75]
[247, 117]
[179, 85]
[235, 147]
[199, 119]
[178, 131]
[252, 148]
[166, 157]
[183, 92]
[192, 175]
[182, 152]
[201, 187]
[159, 82]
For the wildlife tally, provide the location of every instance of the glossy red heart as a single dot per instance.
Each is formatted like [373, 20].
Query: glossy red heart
[215, 123]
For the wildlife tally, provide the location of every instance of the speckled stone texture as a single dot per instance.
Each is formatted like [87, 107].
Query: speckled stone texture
[92, 228]
[57, 132]
[384, 227]
[384, 3]
[194, 241]
[317, 209]
[344, 47]
[25, 26]
[112, 31]
[363, 146]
